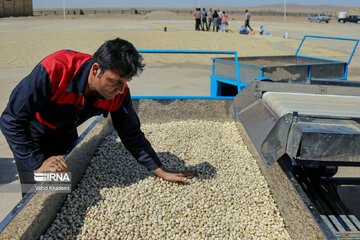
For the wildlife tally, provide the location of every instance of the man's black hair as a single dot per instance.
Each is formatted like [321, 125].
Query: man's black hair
[120, 56]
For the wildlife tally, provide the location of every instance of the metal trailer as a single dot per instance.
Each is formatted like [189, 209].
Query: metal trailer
[35, 212]
[300, 134]
[230, 76]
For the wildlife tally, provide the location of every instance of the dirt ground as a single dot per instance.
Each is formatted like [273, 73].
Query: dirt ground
[27, 40]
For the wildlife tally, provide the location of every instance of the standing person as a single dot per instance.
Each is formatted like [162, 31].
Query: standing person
[247, 19]
[64, 90]
[224, 22]
[210, 18]
[203, 19]
[219, 19]
[215, 21]
[197, 16]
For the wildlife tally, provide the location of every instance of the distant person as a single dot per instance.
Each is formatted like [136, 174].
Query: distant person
[203, 19]
[247, 19]
[197, 16]
[219, 19]
[215, 21]
[210, 18]
[244, 30]
[224, 22]
[264, 31]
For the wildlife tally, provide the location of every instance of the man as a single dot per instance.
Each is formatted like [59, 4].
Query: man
[247, 19]
[63, 91]
[204, 20]
[244, 30]
[197, 16]
[264, 31]
[210, 18]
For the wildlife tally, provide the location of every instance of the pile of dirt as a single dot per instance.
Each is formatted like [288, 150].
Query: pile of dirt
[162, 15]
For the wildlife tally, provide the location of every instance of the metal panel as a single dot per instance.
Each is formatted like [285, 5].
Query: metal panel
[19, 8]
[248, 74]
[9, 8]
[295, 210]
[258, 120]
[279, 68]
[331, 71]
[295, 74]
[225, 70]
[30, 218]
[274, 145]
[331, 140]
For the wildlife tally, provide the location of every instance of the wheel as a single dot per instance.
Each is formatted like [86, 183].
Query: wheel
[342, 21]
[318, 21]
[327, 21]
[358, 21]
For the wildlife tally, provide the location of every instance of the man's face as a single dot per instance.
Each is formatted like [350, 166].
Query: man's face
[109, 84]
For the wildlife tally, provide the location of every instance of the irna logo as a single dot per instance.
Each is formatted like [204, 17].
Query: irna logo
[52, 177]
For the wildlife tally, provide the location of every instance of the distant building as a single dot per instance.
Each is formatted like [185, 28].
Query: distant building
[354, 11]
[15, 8]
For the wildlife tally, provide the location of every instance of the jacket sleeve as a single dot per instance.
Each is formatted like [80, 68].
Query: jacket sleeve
[127, 124]
[25, 100]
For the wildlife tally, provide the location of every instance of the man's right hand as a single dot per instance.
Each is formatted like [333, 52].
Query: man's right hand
[53, 164]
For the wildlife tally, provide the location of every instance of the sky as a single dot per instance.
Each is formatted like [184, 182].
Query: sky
[182, 3]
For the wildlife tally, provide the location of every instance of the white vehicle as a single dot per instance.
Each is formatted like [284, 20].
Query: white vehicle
[319, 18]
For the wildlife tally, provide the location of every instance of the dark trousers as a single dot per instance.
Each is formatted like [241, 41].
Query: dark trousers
[209, 25]
[197, 24]
[204, 24]
[248, 25]
[50, 145]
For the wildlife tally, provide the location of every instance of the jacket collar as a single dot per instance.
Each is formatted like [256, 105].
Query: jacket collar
[79, 81]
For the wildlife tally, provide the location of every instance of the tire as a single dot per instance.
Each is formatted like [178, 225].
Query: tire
[342, 21]
[358, 22]
[327, 21]
[318, 21]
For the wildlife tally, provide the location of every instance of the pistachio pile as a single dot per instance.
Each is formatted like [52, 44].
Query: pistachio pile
[120, 199]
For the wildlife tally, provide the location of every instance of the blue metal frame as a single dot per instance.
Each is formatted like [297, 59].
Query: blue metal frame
[335, 38]
[216, 86]
[216, 82]
[213, 81]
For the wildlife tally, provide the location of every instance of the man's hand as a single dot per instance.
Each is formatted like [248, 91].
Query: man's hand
[53, 164]
[172, 177]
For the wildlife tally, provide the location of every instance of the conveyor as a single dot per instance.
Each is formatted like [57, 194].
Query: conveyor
[302, 134]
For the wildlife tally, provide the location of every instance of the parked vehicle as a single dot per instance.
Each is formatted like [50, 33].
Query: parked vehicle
[351, 18]
[341, 16]
[319, 18]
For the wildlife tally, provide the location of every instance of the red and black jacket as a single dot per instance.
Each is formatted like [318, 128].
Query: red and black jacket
[51, 99]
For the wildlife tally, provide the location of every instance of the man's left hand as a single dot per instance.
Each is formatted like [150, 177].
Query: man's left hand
[173, 177]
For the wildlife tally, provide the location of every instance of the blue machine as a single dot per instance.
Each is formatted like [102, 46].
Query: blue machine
[230, 76]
